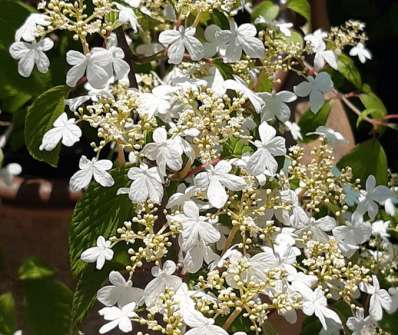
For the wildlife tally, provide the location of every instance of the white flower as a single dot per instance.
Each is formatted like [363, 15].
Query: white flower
[179, 40]
[127, 16]
[147, 184]
[239, 85]
[121, 292]
[374, 195]
[118, 317]
[380, 228]
[201, 325]
[263, 161]
[159, 102]
[213, 45]
[120, 67]
[285, 28]
[216, 82]
[199, 253]
[294, 129]
[89, 169]
[362, 53]
[31, 54]
[166, 152]
[315, 88]
[28, 30]
[314, 302]
[195, 228]
[379, 299]
[8, 172]
[98, 254]
[275, 105]
[359, 325]
[316, 39]
[182, 195]
[323, 56]
[65, 130]
[164, 278]
[216, 179]
[319, 228]
[281, 256]
[332, 136]
[239, 39]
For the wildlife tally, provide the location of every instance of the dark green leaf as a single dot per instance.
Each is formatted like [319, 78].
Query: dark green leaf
[234, 147]
[7, 314]
[301, 7]
[40, 118]
[310, 121]
[348, 69]
[225, 69]
[33, 268]
[99, 212]
[367, 158]
[267, 9]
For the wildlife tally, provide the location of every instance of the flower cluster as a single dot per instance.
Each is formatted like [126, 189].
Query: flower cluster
[229, 219]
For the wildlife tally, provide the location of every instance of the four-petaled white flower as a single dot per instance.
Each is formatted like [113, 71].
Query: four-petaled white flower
[332, 136]
[147, 184]
[380, 228]
[118, 317]
[89, 169]
[31, 54]
[359, 325]
[121, 292]
[379, 299]
[276, 105]
[294, 129]
[201, 325]
[157, 103]
[315, 302]
[164, 278]
[316, 38]
[216, 179]
[323, 56]
[127, 16]
[361, 52]
[65, 130]
[213, 45]
[28, 30]
[263, 161]
[315, 88]
[166, 152]
[182, 195]
[195, 228]
[239, 39]
[373, 196]
[98, 254]
[199, 253]
[178, 40]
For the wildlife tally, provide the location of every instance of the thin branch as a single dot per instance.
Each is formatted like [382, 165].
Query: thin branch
[128, 55]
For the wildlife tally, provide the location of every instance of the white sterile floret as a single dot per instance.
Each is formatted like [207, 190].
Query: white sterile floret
[195, 228]
[147, 184]
[201, 325]
[238, 85]
[360, 325]
[380, 228]
[294, 129]
[276, 105]
[361, 52]
[200, 253]
[121, 292]
[118, 317]
[166, 152]
[239, 39]
[98, 254]
[65, 130]
[323, 56]
[28, 30]
[157, 103]
[332, 136]
[213, 45]
[127, 16]
[316, 38]
[216, 179]
[379, 299]
[89, 169]
[178, 40]
[182, 195]
[164, 278]
[263, 161]
[31, 54]
[315, 302]
[315, 88]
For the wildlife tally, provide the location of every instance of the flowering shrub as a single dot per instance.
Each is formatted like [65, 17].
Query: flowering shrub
[191, 181]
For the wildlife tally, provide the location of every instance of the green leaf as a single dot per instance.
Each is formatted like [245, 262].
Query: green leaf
[225, 69]
[34, 268]
[40, 118]
[310, 121]
[220, 19]
[234, 147]
[347, 68]
[301, 7]
[99, 212]
[367, 158]
[390, 322]
[266, 9]
[374, 104]
[7, 314]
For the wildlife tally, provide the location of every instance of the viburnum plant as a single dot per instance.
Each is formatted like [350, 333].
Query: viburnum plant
[205, 220]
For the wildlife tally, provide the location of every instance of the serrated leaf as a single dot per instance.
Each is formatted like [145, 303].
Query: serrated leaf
[310, 121]
[40, 118]
[34, 268]
[347, 68]
[367, 158]
[301, 7]
[7, 314]
[267, 9]
[99, 212]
